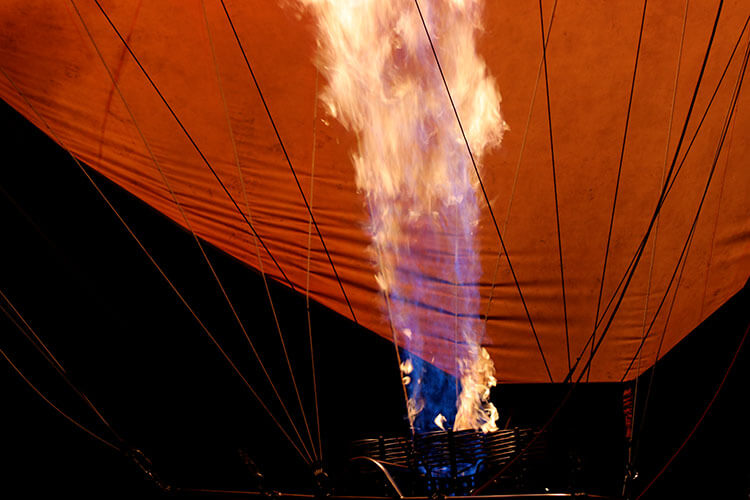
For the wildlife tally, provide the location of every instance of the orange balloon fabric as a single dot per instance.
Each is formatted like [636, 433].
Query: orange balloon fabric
[49, 60]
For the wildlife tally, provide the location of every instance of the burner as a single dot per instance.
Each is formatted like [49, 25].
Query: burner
[454, 462]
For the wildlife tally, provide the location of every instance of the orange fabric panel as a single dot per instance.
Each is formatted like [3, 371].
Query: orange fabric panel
[46, 52]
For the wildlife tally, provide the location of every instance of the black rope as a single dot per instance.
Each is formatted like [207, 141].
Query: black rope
[656, 314]
[619, 169]
[554, 183]
[195, 145]
[208, 260]
[685, 247]
[40, 346]
[638, 423]
[661, 202]
[703, 415]
[687, 150]
[710, 102]
[289, 162]
[55, 407]
[724, 132]
[677, 267]
[630, 271]
[484, 192]
[151, 258]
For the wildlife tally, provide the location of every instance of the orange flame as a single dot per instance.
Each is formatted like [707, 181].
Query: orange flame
[412, 165]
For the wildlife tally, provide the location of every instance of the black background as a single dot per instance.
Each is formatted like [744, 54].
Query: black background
[131, 346]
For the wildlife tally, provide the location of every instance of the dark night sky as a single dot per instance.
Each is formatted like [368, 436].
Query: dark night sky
[129, 344]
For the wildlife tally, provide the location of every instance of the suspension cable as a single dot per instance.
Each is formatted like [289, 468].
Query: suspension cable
[728, 121]
[702, 417]
[522, 148]
[713, 96]
[394, 340]
[723, 135]
[661, 182]
[288, 160]
[554, 182]
[307, 274]
[30, 334]
[153, 261]
[630, 455]
[54, 407]
[192, 141]
[647, 331]
[684, 157]
[484, 192]
[455, 302]
[619, 172]
[257, 249]
[595, 350]
[634, 443]
[716, 222]
[192, 231]
[630, 272]
[672, 179]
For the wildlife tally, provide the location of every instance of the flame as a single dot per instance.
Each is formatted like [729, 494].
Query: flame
[414, 408]
[474, 408]
[406, 367]
[440, 421]
[414, 171]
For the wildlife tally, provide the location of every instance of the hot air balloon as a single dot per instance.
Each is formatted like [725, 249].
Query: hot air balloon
[611, 214]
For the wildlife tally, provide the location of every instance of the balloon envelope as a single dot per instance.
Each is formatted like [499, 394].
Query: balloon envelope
[47, 55]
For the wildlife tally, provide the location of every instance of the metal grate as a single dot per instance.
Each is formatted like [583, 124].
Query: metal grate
[454, 462]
